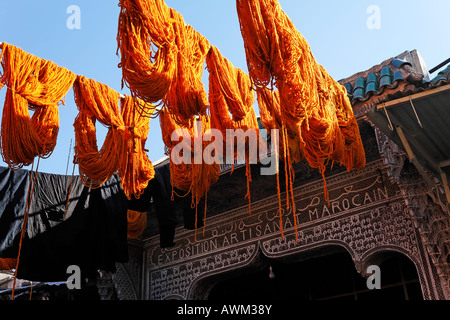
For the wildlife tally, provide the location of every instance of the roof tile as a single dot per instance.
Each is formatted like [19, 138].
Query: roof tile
[375, 83]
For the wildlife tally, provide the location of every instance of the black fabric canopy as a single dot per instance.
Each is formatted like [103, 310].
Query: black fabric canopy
[89, 231]
[93, 235]
[159, 190]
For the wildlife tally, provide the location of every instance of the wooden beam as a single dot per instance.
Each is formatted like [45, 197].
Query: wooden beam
[444, 164]
[446, 186]
[413, 97]
[412, 157]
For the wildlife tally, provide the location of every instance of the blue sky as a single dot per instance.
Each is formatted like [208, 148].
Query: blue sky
[337, 32]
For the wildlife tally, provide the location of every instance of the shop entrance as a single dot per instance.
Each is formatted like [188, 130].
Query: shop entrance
[329, 277]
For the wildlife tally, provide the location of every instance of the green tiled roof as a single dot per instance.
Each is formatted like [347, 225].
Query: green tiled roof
[375, 83]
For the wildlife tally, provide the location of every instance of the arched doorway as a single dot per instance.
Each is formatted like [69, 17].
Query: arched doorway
[328, 277]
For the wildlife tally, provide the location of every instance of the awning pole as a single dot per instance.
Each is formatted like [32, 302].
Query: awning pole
[445, 183]
[387, 116]
[414, 109]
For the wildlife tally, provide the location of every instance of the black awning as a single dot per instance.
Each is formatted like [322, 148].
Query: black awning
[420, 125]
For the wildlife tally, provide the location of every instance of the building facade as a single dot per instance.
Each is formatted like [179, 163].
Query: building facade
[387, 210]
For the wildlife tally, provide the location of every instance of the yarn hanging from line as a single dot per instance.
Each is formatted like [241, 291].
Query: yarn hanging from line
[310, 108]
[231, 100]
[32, 84]
[136, 224]
[187, 96]
[186, 174]
[123, 150]
[148, 52]
[312, 103]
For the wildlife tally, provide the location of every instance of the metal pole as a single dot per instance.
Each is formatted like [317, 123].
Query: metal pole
[437, 67]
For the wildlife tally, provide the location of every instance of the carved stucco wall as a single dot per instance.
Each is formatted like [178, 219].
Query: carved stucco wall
[368, 214]
[128, 277]
[387, 207]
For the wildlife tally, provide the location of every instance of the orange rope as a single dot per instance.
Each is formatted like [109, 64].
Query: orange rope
[25, 222]
[31, 290]
[248, 196]
[123, 150]
[35, 84]
[204, 216]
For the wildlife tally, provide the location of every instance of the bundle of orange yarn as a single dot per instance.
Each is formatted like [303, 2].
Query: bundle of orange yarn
[187, 97]
[146, 41]
[187, 174]
[231, 99]
[312, 103]
[35, 84]
[123, 150]
[311, 109]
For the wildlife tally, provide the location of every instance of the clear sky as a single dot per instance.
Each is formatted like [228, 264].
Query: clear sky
[337, 32]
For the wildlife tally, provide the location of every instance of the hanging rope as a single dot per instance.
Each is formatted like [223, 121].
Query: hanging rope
[123, 150]
[34, 84]
[29, 197]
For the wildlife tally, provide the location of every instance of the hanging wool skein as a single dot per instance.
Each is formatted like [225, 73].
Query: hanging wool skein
[123, 149]
[34, 84]
[146, 41]
[136, 169]
[230, 91]
[311, 101]
[187, 96]
[7, 264]
[186, 174]
[136, 224]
